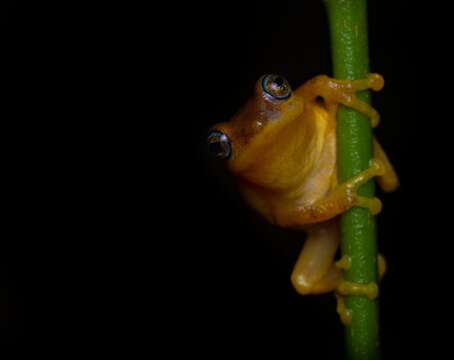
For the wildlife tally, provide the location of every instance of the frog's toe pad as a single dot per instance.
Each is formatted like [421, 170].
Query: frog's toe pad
[373, 204]
[376, 82]
[374, 118]
[344, 314]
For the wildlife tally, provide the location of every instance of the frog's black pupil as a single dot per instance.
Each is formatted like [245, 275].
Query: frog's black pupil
[279, 81]
[216, 148]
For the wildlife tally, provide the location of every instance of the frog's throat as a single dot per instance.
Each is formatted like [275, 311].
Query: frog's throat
[283, 154]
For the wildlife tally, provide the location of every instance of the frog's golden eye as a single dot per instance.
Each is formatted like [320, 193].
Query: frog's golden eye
[276, 86]
[219, 145]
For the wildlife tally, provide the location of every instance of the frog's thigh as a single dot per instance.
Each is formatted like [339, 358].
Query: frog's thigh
[389, 181]
[314, 271]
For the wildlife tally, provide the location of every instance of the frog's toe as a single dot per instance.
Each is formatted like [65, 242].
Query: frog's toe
[347, 288]
[381, 266]
[344, 314]
[373, 204]
[376, 82]
[374, 118]
[377, 166]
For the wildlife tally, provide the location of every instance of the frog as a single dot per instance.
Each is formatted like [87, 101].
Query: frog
[281, 148]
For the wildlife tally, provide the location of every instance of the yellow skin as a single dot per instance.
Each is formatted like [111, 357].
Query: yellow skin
[283, 153]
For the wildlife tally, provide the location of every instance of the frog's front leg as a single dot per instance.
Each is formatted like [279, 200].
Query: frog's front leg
[336, 92]
[342, 198]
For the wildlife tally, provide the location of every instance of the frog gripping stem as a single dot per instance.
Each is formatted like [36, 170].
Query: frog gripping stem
[349, 46]
[335, 91]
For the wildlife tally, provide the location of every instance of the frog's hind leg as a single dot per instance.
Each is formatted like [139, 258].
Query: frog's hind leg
[314, 272]
[343, 92]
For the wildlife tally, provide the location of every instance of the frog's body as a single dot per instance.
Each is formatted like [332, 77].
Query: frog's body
[282, 149]
[304, 177]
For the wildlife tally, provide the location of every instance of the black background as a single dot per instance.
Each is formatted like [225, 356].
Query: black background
[122, 235]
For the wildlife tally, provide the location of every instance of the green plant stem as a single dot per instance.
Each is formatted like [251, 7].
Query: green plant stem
[348, 27]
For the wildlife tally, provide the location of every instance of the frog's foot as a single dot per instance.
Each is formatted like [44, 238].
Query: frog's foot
[345, 288]
[347, 191]
[343, 92]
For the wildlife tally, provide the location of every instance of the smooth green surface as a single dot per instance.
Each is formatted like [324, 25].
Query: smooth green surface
[348, 27]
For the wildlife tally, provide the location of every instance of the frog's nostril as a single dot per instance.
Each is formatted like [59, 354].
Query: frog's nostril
[219, 145]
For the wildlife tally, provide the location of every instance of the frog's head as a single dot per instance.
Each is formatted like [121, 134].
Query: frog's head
[259, 138]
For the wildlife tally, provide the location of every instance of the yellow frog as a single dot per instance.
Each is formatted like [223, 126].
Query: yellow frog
[281, 146]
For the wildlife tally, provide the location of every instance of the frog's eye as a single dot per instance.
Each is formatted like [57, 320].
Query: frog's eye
[219, 145]
[276, 86]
